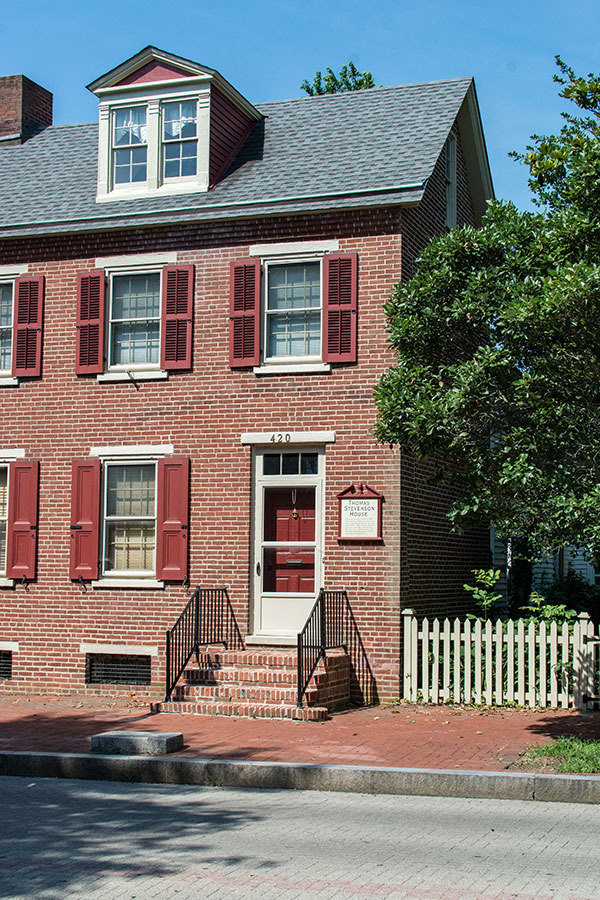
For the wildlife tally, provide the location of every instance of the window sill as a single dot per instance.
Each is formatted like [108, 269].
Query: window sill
[291, 368]
[134, 375]
[194, 186]
[8, 381]
[150, 583]
[6, 582]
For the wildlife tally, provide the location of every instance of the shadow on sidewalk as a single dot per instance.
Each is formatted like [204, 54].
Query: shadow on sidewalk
[69, 731]
[65, 836]
[580, 724]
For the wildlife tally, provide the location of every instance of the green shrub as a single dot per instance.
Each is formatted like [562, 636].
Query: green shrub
[574, 592]
[484, 592]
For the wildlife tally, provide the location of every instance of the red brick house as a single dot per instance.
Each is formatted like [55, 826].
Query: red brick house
[191, 324]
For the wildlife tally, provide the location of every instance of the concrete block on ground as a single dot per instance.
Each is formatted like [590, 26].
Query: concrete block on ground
[137, 743]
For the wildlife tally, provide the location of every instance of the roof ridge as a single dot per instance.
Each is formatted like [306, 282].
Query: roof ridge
[369, 91]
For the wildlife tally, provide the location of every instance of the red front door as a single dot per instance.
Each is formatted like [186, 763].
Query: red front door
[289, 518]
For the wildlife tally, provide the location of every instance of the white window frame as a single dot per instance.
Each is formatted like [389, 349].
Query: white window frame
[106, 520]
[178, 179]
[265, 313]
[126, 185]
[137, 454]
[153, 98]
[130, 367]
[290, 252]
[6, 457]
[7, 373]
[135, 264]
[8, 275]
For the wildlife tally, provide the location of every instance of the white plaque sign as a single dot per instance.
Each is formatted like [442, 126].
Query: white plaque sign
[359, 518]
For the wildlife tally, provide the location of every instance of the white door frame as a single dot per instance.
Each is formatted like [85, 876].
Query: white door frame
[259, 483]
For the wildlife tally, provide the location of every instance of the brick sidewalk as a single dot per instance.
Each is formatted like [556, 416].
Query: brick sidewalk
[411, 736]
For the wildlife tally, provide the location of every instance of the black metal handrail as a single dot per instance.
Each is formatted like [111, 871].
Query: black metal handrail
[208, 618]
[330, 624]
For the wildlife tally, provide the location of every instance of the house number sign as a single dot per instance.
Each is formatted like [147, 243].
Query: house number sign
[359, 514]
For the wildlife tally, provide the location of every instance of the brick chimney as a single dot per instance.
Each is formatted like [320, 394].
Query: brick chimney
[25, 108]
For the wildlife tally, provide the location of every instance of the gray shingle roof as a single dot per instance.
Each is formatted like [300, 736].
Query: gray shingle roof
[361, 148]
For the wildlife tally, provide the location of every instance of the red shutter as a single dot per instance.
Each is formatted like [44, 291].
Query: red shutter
[90, 323]
[21, 543]
[85, 518]
[177, 316]
[244, 313]
[172, 518]
[340, 307]
[27, 330]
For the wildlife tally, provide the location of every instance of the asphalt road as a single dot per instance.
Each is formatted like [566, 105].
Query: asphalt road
[87, 839]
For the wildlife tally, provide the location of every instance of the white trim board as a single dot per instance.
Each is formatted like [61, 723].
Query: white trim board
[141, 451]
[287, 437]
[13, 271]
[126, 649]
[8, 455]
[294, 248]
[136, 260]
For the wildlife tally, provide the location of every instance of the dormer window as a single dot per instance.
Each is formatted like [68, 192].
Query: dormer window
[167, 126]
[180, 147]
[130, 150]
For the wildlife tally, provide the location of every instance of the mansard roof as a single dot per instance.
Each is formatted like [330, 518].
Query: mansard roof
[369, 148]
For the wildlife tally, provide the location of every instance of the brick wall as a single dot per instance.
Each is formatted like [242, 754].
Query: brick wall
[202, 413]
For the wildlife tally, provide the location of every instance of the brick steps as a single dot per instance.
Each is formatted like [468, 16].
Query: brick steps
[259, 684]
[260, 693]
[249, 710]
[249, 676]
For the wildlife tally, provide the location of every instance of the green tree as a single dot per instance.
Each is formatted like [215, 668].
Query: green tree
[349, 79]
[498, 348]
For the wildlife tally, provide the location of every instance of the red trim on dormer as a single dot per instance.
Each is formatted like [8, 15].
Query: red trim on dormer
[229, 130]
[155, 71]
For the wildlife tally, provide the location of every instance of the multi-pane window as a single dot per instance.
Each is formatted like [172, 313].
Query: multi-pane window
[3, 516]
[130, 151]
[293, 310]
[129, 518]
[180, 146]
[6, 324]
[135, 320]
[290, 464]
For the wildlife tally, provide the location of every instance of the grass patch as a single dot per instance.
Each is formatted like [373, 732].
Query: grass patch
[567, 754]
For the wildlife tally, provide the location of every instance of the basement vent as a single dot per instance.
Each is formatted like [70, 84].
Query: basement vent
[112, 668]
[5, 663]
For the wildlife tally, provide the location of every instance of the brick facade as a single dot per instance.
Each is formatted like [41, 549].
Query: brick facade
[203, 413]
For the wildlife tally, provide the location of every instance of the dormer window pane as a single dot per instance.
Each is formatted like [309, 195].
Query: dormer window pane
[129, 145]
[130, 125]
[179, 152]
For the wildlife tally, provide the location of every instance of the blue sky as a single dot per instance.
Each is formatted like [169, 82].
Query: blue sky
[266, 48]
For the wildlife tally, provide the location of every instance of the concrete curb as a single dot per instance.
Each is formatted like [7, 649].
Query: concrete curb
[303, 777]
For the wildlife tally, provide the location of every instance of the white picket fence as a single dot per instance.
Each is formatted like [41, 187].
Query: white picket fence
[493, 663]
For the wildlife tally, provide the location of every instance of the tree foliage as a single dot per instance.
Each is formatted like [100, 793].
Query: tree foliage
[498, 348]
[349, 79]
